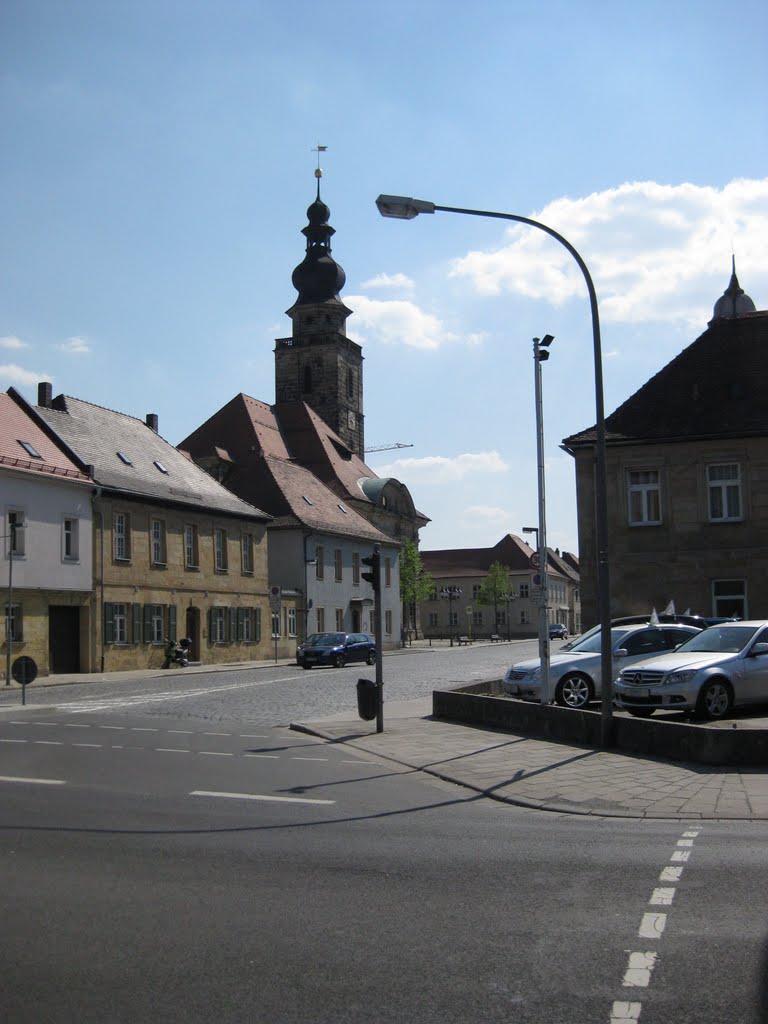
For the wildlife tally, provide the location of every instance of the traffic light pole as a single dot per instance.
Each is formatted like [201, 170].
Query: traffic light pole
[374, 578]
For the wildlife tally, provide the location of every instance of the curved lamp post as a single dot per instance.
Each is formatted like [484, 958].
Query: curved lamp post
[452, 594]
[403, 208]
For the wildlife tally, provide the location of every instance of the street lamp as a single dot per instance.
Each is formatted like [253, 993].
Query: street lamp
[404, 208]
[451, 593]
[9, 626]
[509, 598]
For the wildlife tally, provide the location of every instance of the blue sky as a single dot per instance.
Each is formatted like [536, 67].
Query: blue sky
[157, 165]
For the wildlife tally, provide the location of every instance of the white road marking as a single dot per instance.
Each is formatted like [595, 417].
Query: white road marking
[671, 875]
[624, 1013]
[253, 736]
[143, 728]
[638, 972]
[254, 796]
[112, 703]
[48, 743]
[14, 741]
[309, 758]
[272, 757]
[77, 725]
[693, 833]
[181, 732]
[217, 734]
[680, 855]
[97, 745]
[165, 750]
[685, 842]
[652, 925]
[36, 782]
[662, 897]
[214, 753]
[121, 728]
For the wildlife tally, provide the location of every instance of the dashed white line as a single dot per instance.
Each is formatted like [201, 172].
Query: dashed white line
[181, 732]
[77, 725]
[14, 741]
[166, 750]
[680, 855]
[309, 758]
[142, 728]
[217, 734]
[671, 874]
[638, 972]
[256, 796]
[96, 745]
[35, 782]
[214, 753]
[271, 757]
[662, 897]
[48, 743]
[625, 1013]
[652, 925]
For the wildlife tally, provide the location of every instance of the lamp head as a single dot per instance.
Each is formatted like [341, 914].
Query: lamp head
[402, 207]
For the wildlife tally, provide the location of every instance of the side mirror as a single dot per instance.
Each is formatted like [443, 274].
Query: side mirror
[621, 653]
[760, 648]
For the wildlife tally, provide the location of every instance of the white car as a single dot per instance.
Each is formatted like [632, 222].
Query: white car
[574, 675]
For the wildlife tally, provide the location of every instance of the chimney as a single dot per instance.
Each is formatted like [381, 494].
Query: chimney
[152, 421]
[44, 394]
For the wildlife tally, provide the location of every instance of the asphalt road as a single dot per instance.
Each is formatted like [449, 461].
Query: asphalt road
[165, 857]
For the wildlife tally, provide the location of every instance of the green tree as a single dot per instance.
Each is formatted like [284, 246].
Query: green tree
[494, 589]
[416, 584]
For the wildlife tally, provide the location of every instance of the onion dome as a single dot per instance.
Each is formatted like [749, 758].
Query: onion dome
[734, 301]
[318, 278]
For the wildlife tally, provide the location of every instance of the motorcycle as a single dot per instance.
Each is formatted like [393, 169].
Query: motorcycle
[177, 652]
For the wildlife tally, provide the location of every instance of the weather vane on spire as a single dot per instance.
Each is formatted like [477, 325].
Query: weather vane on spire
[319, 149]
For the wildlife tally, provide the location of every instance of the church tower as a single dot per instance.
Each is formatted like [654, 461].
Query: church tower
[319, 364]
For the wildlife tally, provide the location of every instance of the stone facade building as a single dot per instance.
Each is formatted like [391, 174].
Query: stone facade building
[687, 478]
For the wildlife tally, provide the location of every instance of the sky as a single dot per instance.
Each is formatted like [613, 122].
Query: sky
[157, 164]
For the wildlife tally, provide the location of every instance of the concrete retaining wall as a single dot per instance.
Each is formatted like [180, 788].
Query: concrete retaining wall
[676, 741]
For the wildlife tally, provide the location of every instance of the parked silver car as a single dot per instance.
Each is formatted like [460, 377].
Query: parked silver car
[720, 667]
[574, 674]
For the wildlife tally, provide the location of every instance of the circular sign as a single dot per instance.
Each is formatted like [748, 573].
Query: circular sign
[535, 560]
[274, 591]
[24, 670]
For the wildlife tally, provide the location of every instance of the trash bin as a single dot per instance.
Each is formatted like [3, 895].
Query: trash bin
[367, 699]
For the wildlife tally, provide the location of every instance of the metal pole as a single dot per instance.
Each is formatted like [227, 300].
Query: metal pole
[379, 633]
[8, 619]
[542, 533]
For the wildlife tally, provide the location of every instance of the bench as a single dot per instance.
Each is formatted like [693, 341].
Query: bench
[495, 638]
[464, 640]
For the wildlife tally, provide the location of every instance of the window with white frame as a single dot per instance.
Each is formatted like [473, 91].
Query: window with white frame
[70, 538]
[292, 622]
[644, 497]
[157, 633]
[220, 549]
[121, 532]
[320, 612]
[320, 562]
[525, 590]
[275, 624]
[729, 598]
[120, 623]
[475, 591]
[15, 543]
[337, 565]
[388, 623]
[157, 527]
[218, 625]
[339, 620]
[191, 549]
[724, 492]
[247, 550]
[434, 619]
[477, 618]
[14, 623]
[356, 568]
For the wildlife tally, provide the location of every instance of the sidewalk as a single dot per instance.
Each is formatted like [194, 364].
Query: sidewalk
[549, 776]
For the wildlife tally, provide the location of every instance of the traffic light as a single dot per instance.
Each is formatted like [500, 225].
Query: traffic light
[374, 576]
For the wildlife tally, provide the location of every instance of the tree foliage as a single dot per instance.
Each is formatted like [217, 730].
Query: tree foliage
[416, 584]
[495, 586]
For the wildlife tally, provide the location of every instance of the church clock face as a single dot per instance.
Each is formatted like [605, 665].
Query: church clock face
[351, 420]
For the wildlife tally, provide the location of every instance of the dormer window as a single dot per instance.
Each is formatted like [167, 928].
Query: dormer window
[124, 458]
[30, 449]
[161, 467]
[308, 500]
[343, 510]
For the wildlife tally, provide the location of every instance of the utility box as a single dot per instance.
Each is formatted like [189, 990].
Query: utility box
[367, 699]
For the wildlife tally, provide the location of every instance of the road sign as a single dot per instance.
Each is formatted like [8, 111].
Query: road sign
[24, 670]
[536, 580]
[535, 560]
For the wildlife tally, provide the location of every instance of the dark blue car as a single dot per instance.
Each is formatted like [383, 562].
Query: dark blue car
[336, 649]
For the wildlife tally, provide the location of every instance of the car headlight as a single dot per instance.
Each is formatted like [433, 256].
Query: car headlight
[679, 678]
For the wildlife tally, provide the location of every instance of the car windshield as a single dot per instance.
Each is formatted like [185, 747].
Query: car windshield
[328, 639]
[590, 642]
[721, 639]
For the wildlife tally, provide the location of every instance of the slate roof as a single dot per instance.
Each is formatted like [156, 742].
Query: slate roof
[17, 425]
[97, 435]
[715, 388]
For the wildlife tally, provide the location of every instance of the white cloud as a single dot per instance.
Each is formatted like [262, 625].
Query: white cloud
[437, 469]
[12, 374]
[388, 281]
[489, 514]
[399, 322]
[12, 342]
[655, 252]
[75, 346]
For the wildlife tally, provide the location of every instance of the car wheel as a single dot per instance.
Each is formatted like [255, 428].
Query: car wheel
[641, 712]
[574, 691]
[339, 661]
[307, 667]
[714, 700]
[371, 658]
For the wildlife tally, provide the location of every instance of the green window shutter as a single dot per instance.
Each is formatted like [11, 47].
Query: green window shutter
[240, 623]
[136, 623]
[210, 625]
[171, 621]
[232, 625]
[147, 623]
[109, 623]
[257, 638]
